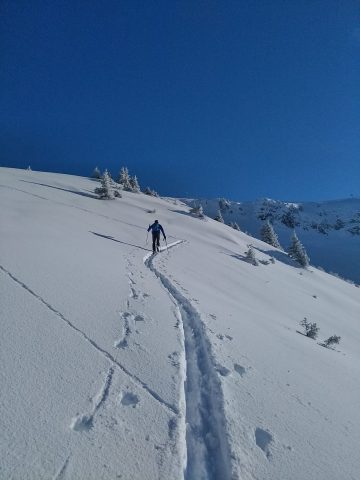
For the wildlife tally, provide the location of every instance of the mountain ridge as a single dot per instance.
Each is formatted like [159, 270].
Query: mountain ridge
[330, 230]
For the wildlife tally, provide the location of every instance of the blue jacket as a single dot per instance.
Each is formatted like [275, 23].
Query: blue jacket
[155, 228]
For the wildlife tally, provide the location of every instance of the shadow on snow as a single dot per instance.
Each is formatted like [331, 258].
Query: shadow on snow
[76, 192]
[119, 241]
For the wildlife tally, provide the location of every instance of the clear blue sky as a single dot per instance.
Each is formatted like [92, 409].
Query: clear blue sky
[241, 99]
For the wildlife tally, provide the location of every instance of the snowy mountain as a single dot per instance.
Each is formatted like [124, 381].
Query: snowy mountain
[329, 230]
[190, 364]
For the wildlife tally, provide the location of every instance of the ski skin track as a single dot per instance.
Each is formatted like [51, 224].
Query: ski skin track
[207, 453]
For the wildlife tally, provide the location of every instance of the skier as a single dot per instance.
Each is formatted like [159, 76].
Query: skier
[156, 228]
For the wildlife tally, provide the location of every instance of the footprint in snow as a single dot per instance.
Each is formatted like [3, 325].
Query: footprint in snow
[174, 357]
[224, 372]
[239, 369]
[82, 423]
[129, 399]
[263, 440]
[221, 336]
[123, 342]
[133, 294]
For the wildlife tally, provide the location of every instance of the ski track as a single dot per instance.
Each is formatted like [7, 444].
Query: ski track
[61, 473]
[207, 449]
[105, 353]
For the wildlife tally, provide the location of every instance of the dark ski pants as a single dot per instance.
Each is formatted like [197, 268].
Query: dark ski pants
[156, 241]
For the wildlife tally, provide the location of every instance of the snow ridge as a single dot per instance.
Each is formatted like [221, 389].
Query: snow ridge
[208, 452]
[108, 355]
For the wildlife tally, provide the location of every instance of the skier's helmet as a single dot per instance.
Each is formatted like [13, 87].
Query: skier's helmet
[156, 221]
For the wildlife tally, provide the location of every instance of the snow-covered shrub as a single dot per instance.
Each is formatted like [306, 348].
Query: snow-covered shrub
[333, 340]
[197, 211]
[297, 251]
[250, 256]
[219, 217]
[150, 192]
[272, 260]
[311, 330]
[28, 168]
[96, 173]
[269, 236]
[106, 191]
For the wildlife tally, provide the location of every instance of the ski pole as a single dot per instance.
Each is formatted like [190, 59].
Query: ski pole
[147, 236]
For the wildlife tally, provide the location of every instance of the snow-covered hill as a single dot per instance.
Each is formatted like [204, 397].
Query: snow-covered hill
[329, 230]
[118, 364]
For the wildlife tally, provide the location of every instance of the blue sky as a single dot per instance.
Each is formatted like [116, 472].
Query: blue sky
[242, 99]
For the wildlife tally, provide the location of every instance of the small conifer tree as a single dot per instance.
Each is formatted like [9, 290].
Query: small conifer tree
[269, 236]
[333, 340]
[150, 192]
[124, 179]
[106, 190]
[235, 226]
[96, 173]
[311, 329]
[135, 187]
[297, 251]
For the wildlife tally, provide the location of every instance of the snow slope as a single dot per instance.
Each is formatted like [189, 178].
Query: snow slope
[329, 230]
[118, 364]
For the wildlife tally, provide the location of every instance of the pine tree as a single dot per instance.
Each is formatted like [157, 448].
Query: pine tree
[29, 169]
[219, 217]
[96, 173]
[311, 329]
[106, 190]
[269, 236]
[124, 179]
[135, 187]
[297, 251]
